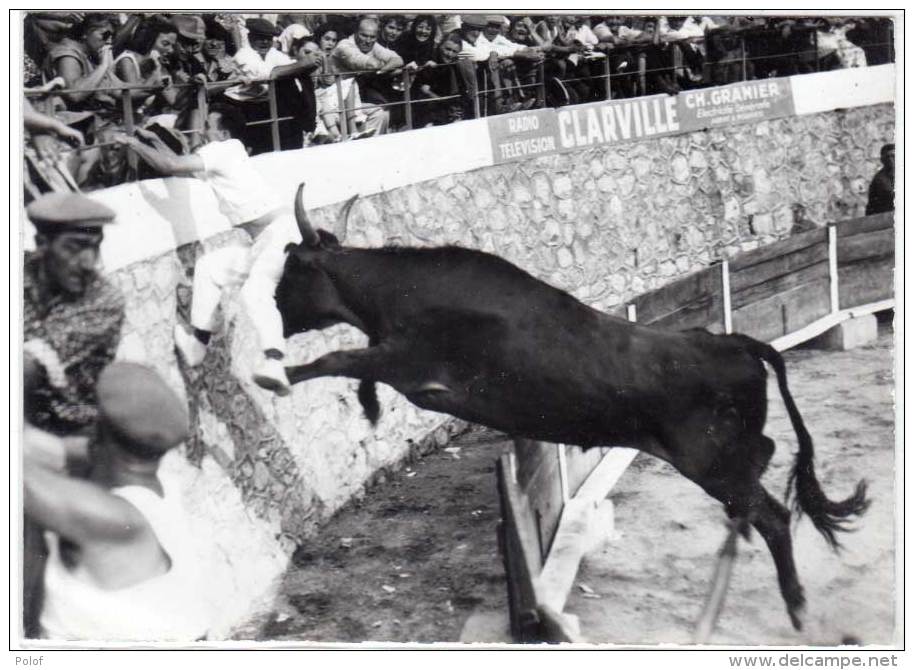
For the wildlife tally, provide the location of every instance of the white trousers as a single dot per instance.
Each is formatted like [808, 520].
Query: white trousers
[257, 268]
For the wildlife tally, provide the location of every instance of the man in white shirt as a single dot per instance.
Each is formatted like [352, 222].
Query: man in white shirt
[360, 55]
[122, 566]
[247, 201]
[258, 59]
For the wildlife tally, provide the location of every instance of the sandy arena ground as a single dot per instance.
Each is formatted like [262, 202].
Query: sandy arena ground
[416, 559]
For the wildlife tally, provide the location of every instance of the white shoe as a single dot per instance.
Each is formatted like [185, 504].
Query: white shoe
[271, 375]
[192, 350]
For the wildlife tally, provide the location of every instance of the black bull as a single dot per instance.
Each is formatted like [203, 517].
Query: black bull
[468, 333]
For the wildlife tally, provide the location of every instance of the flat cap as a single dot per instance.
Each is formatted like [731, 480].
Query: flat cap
[476, 21]
[141, 408]
[190, 26]
[68, 211]
[261, 27]
[496, 19]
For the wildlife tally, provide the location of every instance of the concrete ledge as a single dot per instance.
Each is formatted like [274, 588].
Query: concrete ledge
[850, 333]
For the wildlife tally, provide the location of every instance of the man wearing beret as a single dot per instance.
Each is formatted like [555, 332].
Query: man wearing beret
[122, 565]
[72, 321]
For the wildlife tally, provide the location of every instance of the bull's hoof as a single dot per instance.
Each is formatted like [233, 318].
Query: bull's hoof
[797, 612]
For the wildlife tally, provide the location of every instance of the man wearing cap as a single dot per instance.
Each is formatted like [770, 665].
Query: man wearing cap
[188, 57]
[71, 328]
[122, 565]
[258, 59]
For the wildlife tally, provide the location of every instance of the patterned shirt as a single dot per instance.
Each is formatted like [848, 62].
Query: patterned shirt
[84, 333]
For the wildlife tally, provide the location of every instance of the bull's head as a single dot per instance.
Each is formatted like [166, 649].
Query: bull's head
[306, 296]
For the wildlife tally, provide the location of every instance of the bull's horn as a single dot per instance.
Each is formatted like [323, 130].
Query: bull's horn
[308, 235]
[342, 221]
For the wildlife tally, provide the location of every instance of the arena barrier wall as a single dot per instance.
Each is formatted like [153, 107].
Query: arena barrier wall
[553, 497]
[606, 223]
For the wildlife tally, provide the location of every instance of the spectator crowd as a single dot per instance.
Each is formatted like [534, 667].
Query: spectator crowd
[92, 77]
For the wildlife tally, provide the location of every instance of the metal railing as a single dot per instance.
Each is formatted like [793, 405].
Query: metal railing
[483, 94]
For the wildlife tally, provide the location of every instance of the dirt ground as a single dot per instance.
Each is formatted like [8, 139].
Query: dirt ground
[410, 562]
[416, 560]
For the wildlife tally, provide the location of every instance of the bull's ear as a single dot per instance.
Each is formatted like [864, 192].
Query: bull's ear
[308, 235]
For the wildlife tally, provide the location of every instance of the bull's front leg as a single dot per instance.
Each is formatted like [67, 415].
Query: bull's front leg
[368, 363]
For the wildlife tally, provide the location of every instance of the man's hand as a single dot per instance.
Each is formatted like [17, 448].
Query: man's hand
[44, 355]
[70, 135]
[46, 148]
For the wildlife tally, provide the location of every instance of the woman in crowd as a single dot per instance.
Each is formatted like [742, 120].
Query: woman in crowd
[417, 47]
[142, 63]
[87, 63]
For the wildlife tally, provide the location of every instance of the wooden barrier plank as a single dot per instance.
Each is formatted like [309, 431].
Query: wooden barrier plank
[876, 244]
[773, 268]
[865, 224]
[544, 492]
[748, 259]
[776, 315]
[530, 456]
[697, 314]
[580, 464]
[783, 284]
[673, 296]
[520, 553]
[865, 282]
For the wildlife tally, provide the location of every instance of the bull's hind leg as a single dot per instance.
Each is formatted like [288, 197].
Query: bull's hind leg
[356, 363]
[734, 481]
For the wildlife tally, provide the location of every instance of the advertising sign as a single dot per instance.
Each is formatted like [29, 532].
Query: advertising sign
[546, 131]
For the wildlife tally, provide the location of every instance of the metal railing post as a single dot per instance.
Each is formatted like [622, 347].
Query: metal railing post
[541, 73]
[127, 107]
[406, 99]
[485, 90]
[743, 62]
[815, 47]
[344, 116]
[607, 73]
[476, 109]
[642, 72]
[274, 116]
[202, 106]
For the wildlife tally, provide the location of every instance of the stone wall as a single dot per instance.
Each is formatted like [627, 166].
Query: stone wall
[262, 473]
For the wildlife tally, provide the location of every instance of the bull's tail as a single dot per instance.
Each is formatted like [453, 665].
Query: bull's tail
[829, 517]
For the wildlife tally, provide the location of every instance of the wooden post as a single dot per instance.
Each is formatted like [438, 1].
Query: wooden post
[719, 584]
[631, 313]
[406, 93]
[344, 117]
[833, 268]
[607, 73]
[274, 116]
[725, 288]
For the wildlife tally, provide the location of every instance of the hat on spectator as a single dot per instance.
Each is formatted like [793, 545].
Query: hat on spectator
[141, 409]
[495, 19]
[474, 21]
[261, 27]
[190, 26]
[61, 212]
